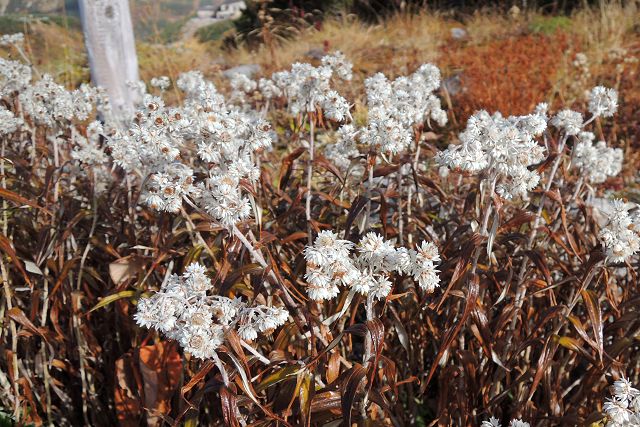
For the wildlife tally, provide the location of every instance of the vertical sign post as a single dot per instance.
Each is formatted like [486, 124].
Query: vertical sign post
[108, 34]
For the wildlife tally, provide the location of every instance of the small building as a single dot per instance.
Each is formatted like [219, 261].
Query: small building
[231, 9]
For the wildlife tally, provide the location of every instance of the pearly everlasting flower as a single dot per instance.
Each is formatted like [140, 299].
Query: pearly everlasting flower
[184, 310]
[374, 250]
[624, 390]
[307, 89]
[241, 86]
[261, 319]
[340, 65]
[492, 422]
[88, 152]
[47, 102]
[620, 236]
[11, 39]
[85, 99]
[424, 267]
[158, 146]
[198, 90]
[400, 104]
[596, 162]
[344, 149]
[378, 89]
[429, 74]
[385, 133]
[331, 264]
[623, 409]
[153, 140]
[269, 89]
[15, 77]
[603, 101]
[328, 265]
[568, 121]
[222, 198]
[162, 82]
[8, 122]
[336, 107]
[503, 147]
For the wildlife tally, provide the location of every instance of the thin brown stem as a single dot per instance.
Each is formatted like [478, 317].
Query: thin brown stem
[310, 177]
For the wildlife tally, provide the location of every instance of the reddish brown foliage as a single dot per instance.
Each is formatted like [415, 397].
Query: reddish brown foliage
[511, 75]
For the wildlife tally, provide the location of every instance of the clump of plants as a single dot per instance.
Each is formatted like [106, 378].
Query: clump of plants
[252, 255]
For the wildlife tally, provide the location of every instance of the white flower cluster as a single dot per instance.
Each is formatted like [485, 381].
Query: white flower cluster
[503, 147]
[307, 88]
[162, 82]
[344, 149]
[197, 89]
[50, 104]
[494, 422]
[331, 263]
[14, 77]
[61, 115]
[241, 86]
[568, 121]
[580, 75]
[340, 65]
[8, 122]
[596, 162]
[394, 107]
[228, 141]
[224, 138]
[269, 89]
[623, 409]
[603, 101]
[167, 189]
[90, 156]
[152, 140]
[47, 102]
[87, 150]
[620, 236]
[11, 39]
[183, 311]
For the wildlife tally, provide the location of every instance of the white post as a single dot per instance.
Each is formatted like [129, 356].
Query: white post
[108, 35]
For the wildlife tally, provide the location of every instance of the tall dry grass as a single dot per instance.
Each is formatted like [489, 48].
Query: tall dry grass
[614, 24]
[403, 38]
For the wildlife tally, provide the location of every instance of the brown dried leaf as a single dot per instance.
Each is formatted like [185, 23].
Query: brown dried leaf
[161, 369]
[595, 314]
[355, 375]
[127, 402]
[124, 269]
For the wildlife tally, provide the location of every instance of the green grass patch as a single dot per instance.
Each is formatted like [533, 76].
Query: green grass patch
[549, 24]
[12, 24]
[171, 30]
[214, 32]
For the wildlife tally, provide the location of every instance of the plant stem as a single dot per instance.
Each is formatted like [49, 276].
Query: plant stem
[310, 176]
[522, 288]
[368, 351]
[400, 218]
[365, 221]
[8, 295]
